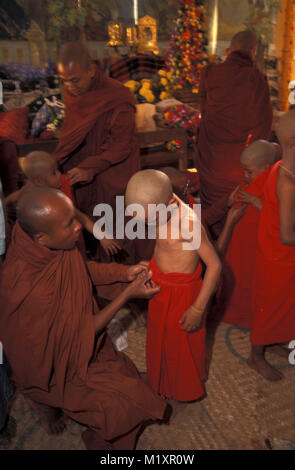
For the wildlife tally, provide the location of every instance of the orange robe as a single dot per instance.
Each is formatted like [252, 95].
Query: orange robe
[175, 359]
[240, 260]
[235, 106]
[47, 331]
[274, 278]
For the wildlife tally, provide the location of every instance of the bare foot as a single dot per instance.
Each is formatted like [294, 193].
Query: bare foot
[52, 419]
[176, 406]
[279, 350]
[263, 368]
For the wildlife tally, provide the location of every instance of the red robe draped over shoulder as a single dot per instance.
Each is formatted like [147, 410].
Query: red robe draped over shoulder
[235, 103]
[47, 331]
[273, 298]
[175, 359]
[240, 260]
[98, 134]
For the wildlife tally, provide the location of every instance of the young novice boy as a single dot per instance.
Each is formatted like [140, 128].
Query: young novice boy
[241, 237]
[274, 275]
[176, 320]
[40, 169]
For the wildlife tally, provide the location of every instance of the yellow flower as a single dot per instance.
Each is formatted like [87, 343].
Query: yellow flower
[164, 95]
[132, 85]
[195, 90]
[146, 82]
[164, 81]
[162, 72]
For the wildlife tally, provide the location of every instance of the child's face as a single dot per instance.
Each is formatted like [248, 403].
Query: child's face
[252, 171]
[52, 178]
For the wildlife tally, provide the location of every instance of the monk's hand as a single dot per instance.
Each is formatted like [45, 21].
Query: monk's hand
[191, 320]
[143, 287]
[134, 271]
[79, 175]
[111, 247]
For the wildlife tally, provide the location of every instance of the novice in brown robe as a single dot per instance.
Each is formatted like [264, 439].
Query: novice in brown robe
[53, 333]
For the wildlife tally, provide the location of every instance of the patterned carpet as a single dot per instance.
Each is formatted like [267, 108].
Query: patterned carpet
[240, 411]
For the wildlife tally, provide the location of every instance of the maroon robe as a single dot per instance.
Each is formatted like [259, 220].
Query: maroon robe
[47, 331]
[99, 135]
[236, 110]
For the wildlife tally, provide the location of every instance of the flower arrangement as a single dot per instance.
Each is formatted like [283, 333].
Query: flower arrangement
[57, 111]
[187, 50]
[151, 90]
[180, 115]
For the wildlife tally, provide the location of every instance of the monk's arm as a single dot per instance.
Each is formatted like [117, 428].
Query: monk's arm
[117, 146]
[213, 270]
[286, 195]
[107, 273]
[84, 221]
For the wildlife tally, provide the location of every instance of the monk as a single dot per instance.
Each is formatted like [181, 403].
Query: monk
[98, 147]
[175, 349]
[54, 335]
[236, 110]
[273, 298]
[241, 244]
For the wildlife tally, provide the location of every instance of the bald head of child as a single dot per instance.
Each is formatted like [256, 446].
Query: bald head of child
[149, 187]
[258, 157]
[41, 170]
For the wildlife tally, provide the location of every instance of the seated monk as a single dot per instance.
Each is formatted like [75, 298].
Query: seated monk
[54, 335]
[273, 301]
[236, 110]
[98, 147]
[240, 246]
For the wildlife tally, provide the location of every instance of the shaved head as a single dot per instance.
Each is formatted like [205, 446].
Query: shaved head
[259, 154]
[37, 164]
[243, 40]
[38, 209]
[74, 52]
[285, 129]
[149, 187]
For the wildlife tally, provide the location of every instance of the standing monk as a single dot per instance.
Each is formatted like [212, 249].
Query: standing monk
[236, 109]
[274, 276]
[98, 147]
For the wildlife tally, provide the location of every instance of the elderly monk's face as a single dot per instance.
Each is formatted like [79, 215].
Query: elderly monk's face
[75, 78]
[64, 229]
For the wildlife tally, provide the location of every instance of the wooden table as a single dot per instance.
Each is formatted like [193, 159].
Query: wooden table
[154, 153]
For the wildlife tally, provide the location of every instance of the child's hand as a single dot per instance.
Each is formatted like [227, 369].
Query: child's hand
[233, 196]
[191, 320]
[248, 198]
[236, 213]
[111, 247]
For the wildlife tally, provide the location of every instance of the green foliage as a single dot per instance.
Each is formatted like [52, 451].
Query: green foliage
[261, 17]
